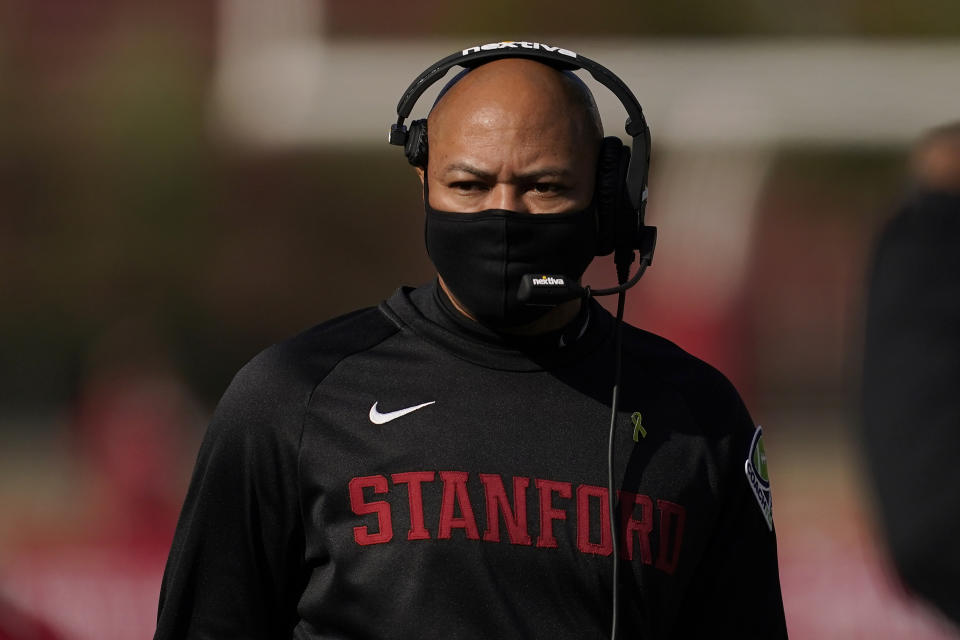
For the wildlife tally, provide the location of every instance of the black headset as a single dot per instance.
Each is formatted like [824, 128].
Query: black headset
[621, 185]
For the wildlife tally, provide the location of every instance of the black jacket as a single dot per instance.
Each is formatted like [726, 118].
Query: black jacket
[482, 513]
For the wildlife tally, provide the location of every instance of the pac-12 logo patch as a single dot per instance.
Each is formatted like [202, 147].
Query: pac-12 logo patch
[757, 476]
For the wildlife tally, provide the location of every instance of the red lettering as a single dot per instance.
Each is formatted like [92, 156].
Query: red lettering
[672, 519]
[515, 518]
[636, 515]
[414, 480]
[380, 507]
[547, 511]
[584, 544]
[631, 526]
[455, 491]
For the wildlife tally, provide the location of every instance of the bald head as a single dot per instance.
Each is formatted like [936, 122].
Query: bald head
[556, 89]
[513, 134]
[935, 161]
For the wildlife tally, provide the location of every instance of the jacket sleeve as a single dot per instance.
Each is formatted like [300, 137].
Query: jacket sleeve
[735, 592]
[236, 565]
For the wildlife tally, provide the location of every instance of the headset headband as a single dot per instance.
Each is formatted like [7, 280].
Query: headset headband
[636, 124]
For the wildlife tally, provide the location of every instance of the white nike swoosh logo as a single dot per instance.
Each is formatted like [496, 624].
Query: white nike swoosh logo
[382, 418]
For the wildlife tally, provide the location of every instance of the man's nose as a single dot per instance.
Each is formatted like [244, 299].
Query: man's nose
[507, 196]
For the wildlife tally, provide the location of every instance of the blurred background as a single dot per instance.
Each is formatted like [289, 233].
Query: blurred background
[185, 183]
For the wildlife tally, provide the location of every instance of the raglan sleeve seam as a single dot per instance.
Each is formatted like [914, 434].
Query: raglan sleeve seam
[308, 401]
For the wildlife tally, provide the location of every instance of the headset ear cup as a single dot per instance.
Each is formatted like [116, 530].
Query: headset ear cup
[611, 193]
[416, 146]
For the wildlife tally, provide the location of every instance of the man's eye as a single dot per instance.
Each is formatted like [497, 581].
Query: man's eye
[547, 187]
[468, 186]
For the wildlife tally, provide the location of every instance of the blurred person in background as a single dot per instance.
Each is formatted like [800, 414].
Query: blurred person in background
[435, 467]
[911, 375]
[92, 570]
[132, 424]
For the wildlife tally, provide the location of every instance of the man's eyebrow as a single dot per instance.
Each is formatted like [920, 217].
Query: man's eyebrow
[545, 172]
[466, 168]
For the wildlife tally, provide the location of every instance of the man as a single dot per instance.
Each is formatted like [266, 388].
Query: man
[911, 408]
[435, 467]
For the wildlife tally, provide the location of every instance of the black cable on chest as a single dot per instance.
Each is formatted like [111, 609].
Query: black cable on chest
[611, 486]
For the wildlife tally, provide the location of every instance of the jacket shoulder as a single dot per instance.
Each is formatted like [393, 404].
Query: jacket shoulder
[310, 355]
[274, 388]
[709, 396]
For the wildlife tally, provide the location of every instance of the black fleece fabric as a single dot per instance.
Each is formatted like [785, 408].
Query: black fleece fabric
[399, 473]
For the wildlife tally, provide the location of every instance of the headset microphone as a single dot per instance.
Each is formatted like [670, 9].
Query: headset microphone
[547, 290]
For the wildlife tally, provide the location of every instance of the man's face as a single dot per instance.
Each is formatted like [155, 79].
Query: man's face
[936, 163]
[510, 135]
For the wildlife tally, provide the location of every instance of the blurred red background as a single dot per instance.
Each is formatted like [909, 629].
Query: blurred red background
[185, 183]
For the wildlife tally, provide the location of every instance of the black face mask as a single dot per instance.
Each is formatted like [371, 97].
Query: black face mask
[482, 256]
